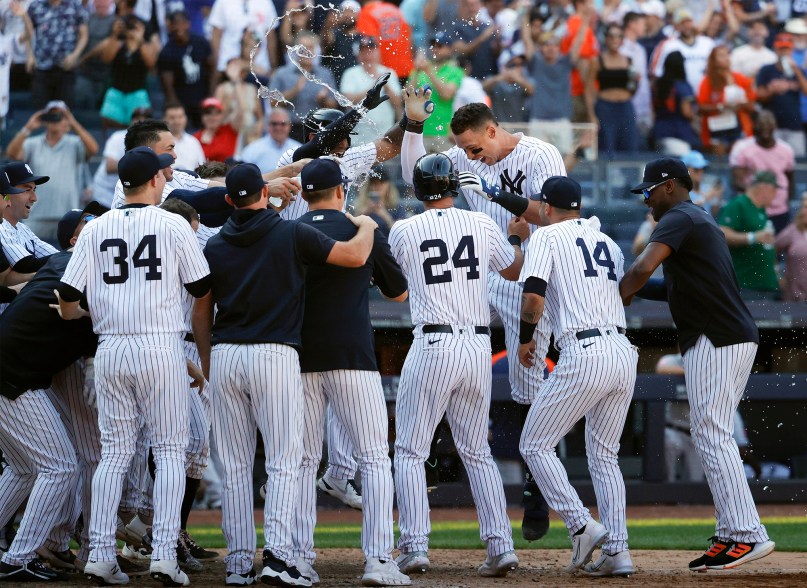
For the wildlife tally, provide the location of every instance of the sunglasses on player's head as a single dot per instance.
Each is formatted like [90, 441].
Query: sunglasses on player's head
[89, 217]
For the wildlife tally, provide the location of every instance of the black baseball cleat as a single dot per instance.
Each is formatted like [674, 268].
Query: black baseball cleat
[196, 550]
[32, 571]
[536, 513]
[277, 573]
[717, 547]
[739, 553]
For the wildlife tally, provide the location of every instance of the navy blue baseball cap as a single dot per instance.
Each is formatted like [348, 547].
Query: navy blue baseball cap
[663, 169]
[139, 165]
[243, 180]
[6, 186]
[69, 222]
[561, 192]
[19, 172]
[321, 174]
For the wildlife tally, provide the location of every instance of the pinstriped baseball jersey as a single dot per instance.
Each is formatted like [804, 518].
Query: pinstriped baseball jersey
[182, 181]
[133, 262]
[356, 161]
[522, 172]
[582, 268]
[20, 242]
[440, 252]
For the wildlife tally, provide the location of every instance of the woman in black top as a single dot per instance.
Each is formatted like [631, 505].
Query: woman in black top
[131, 57]
[616, 81]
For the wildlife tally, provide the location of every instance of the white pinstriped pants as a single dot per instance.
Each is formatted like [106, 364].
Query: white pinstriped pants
[452, 376]
[81, 422]
[715, 379]
[257, 386]
[41, 466]
[198, 448]
[140, 378]
[505, 301]
[341, 464]
[596, 382]
[357, 400]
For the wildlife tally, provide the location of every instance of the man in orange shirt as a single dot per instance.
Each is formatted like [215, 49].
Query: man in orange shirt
[385, 22]
[582, 101]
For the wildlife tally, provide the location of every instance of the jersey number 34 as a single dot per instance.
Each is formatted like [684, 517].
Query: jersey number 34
[431, 264]
[145, 255]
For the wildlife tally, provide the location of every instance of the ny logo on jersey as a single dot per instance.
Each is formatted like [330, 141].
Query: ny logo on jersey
[512, 184]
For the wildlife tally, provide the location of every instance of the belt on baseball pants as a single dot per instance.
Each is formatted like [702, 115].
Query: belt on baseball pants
[596, 333]
[450, 329]
[189, 338]
[679, 429]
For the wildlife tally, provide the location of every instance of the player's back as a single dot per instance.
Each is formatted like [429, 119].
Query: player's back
[136, 270]
[583, 286]
[445, 254]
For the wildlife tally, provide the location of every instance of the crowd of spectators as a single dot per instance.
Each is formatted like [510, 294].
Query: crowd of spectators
[727, 78]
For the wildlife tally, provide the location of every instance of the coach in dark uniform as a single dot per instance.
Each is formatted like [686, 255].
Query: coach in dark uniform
[338, 366]
[718, 339]
[257, 265]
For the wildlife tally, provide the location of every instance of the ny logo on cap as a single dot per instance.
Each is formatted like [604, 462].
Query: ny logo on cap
[28, 168]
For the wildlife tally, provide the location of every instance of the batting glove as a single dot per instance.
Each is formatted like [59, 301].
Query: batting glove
[374, 97]
[417, 103]
[478, 184]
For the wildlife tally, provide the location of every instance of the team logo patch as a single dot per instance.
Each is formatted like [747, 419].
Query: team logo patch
[309, 186]
[512, 184]
[242, 192]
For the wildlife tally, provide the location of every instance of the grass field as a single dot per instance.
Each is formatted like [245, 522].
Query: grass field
[790, 534]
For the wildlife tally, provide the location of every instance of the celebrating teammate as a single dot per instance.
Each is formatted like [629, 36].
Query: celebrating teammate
[718, 339]
[134, 263]
[499, 172]
[572, 273]
[258, 266]
[339, 368]
[446, 255]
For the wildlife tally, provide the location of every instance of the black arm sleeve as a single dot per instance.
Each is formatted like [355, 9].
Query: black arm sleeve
[30, 264]
[654, 289]
[535, 285]
[199, 288]
[7, 294]
[512, 202]
[69, 293]
[328, 138]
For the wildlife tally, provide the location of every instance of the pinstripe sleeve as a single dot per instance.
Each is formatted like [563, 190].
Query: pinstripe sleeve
[547, 162]
[501, 252]
[538, 261]
[75, 274]
[358, 160]
[189, 182]
[192, 263]
[395, 240]
[12, 247]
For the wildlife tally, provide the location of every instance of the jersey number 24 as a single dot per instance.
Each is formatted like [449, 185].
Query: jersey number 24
[431, 264]
[145, 255]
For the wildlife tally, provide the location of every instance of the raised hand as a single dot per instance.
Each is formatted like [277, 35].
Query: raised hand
[417, 103]
[374, 98]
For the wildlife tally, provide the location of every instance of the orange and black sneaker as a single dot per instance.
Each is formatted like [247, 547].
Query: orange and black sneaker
[739, 553]
[718, 547]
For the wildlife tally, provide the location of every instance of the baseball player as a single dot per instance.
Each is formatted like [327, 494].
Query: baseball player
[40, 447]
[339, 368]
[572, 272]
[328, 132]
[718, 339]
[258, 263]
[25, 252]
[134, 263]
[445, 254]
[499, 171]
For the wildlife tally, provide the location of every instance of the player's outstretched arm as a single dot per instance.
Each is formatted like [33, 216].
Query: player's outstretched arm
[202, 326]
[354, 253]
[514, 203]
[639, 273]
[517, 232]
[291, 170]
[532, 308]
[417, 108]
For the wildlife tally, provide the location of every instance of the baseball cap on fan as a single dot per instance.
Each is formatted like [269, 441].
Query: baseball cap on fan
[561, 192]
[54, 111]
[139, 165]
[244, 180]
[661, 170]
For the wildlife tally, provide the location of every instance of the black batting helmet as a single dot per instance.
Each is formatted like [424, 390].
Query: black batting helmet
[319, 119]
[434, 178]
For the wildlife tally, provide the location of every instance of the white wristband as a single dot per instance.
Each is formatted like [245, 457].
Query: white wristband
[752, 237]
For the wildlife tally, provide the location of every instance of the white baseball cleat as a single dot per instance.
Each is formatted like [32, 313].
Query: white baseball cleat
[499, 565]
[344, 490]
[619, 564]
[105, 573]
[378, 572]
[415, 562]
[584, 544]
[168, 572]
[131, 532]
[307, 570]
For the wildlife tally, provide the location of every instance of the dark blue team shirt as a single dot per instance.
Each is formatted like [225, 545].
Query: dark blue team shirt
[35, 342]
[190, 68]
[702, 288]
[257, 266]
[786, 108]
[337, 333]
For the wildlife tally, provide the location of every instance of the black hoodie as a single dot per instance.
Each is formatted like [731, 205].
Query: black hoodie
[257, 265]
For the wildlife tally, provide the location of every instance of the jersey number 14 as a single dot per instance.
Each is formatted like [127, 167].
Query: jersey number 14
[601, 257]
[145, 255]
